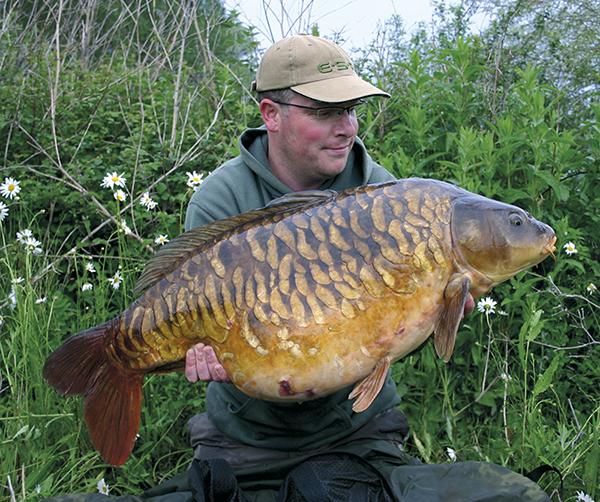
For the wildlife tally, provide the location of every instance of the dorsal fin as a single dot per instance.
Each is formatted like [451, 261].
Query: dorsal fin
[303, 197]
[179, 249]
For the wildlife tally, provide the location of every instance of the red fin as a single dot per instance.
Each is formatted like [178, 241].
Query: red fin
[112, 409]
[368, 388]
[72, 368]
[112, 397]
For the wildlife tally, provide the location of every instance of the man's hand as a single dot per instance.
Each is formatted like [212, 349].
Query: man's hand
[201, 363]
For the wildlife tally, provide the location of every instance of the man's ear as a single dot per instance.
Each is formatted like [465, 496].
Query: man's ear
[271, 114]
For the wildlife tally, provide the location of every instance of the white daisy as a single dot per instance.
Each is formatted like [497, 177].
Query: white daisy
[451, 454]
[120, 195]
[116, 280]
[89, 266]
[161, 240]
[10, 188]
[591, 288]
[3, 211]
[147, 201]
[194, 179]
[487, 305]
[123, 227]
[23, 235]
[42, 299]
[103, 487]
[12, 298]
[584, 497]
[86, 286]
[111, 180]
[570, 248]
[33, 245]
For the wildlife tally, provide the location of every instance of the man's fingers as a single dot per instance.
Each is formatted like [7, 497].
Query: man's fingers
[201, 363]
[217, 372]
[190, 365]
[196, 367]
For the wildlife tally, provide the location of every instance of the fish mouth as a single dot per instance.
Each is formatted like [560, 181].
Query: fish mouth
[550, 248]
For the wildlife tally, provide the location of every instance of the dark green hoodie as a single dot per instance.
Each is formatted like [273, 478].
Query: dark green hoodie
[242, 184]
[246, 182]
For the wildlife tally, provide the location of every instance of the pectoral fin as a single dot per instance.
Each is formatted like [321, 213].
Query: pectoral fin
[455, 297]
[367, 389]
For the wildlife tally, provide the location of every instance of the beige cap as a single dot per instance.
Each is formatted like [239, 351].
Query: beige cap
[314, 67]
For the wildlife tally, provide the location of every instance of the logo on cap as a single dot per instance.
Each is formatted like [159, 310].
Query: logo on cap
[337, 66]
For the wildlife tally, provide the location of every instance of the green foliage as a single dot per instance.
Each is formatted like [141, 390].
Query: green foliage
[155, 100]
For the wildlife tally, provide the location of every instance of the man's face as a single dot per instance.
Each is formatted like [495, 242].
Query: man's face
[316, 143]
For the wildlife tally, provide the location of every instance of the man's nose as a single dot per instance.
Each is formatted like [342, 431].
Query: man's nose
[346, 123]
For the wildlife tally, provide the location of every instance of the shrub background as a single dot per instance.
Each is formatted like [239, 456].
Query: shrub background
[154, 90]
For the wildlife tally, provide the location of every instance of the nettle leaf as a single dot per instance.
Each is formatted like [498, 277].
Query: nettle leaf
[547, 377]
[535, 326]
[529, 331]
[560, 189]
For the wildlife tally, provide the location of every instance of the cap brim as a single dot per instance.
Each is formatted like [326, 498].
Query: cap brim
[338, 90]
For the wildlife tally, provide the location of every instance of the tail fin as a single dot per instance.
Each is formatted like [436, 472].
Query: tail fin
[112, 397]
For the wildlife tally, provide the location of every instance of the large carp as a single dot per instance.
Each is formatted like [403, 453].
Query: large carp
[302, 298]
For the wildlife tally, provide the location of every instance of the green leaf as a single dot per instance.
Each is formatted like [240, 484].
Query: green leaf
[545, 380]
[529, 331]
[561, 191]
[535, 325]
[592, 467]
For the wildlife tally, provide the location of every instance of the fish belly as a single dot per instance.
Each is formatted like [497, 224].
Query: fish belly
[319, 360]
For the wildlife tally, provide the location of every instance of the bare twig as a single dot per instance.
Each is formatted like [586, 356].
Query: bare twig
[505, 395]
[243, 86]
[188, 14]
[557, 292]
[11, 491]
[570, 347]
[71, 181]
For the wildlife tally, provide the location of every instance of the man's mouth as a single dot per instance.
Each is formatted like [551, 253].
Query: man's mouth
[338, 148]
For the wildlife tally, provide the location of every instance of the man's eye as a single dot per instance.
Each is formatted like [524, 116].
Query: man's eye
[326, 113]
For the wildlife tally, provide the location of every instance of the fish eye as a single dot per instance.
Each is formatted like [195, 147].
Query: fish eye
[515, 219]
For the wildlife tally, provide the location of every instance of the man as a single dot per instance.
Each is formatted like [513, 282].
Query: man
[308, 95]
[320, 450]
